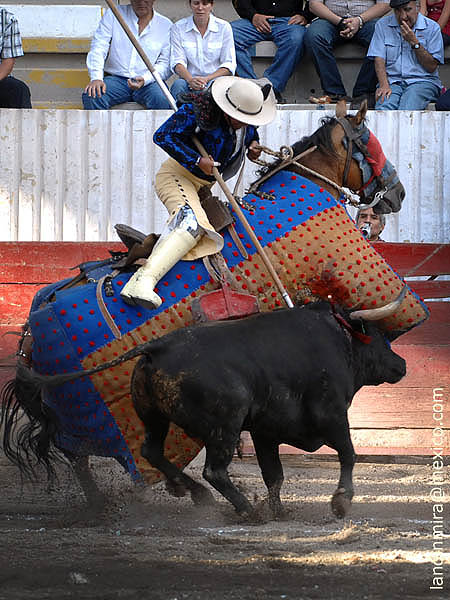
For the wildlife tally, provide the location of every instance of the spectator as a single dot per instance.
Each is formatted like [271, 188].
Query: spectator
[13, 92]
[407, 48]
[439, 11]
[443, 102]
[201, 49]
[226, 128]
[342, 21]
[283, 23]
[370, 224]
[112, 52]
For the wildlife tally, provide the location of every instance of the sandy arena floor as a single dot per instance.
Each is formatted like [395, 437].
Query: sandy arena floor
[149, 545]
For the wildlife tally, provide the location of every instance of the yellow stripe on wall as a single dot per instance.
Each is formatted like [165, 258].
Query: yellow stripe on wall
[66, 78]
[55, 45]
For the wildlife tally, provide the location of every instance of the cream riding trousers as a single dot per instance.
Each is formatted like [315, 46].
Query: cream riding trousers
[176, 186]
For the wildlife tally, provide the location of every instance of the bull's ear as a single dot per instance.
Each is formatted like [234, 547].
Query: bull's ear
[341, 109]
[361, 114]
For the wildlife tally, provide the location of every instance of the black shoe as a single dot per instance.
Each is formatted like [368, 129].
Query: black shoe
[328, 99]
[358, 100]
[279, 97]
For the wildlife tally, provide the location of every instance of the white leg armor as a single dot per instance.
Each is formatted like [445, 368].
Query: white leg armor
[181, 235]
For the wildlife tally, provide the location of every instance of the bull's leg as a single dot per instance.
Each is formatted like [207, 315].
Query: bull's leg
[218, 458]
[153, 450]
[271, 469]
[339, 438]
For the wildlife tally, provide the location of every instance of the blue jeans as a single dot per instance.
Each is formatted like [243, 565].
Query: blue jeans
[321, 37]
[117, 92]
[413, 96]
[179, 86]
[443, 102]
[288, 40]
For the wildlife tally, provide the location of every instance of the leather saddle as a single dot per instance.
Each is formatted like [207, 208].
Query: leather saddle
[140, 246]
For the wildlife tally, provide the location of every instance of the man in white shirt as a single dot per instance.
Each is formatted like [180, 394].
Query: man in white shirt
[128, 79]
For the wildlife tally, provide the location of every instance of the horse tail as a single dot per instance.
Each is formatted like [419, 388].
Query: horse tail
[29, 427]
[32, 441]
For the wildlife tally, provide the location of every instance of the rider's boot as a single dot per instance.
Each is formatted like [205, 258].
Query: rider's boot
[167, 252]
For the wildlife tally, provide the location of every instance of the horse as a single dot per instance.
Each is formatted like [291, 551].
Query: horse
[316, 249]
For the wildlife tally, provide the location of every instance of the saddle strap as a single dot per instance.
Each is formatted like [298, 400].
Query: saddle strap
[102, 306]
[218, 270]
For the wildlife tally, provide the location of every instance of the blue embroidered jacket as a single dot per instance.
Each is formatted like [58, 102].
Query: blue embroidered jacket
[175, 137]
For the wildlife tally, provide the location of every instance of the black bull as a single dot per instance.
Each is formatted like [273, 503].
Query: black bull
[286, 377]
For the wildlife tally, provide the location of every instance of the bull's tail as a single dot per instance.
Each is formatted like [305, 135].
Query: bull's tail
[39, 381]
[29, 427]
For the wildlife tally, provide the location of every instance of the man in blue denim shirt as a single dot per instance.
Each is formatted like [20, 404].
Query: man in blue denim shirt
[407, 49]
[226, 127]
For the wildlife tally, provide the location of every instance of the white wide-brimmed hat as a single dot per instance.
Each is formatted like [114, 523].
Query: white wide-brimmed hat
[243, 99]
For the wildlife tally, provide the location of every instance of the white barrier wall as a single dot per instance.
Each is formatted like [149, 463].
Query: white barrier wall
[71, 175]
[57, 20]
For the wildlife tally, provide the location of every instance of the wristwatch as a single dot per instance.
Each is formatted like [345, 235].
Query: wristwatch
[415, 46]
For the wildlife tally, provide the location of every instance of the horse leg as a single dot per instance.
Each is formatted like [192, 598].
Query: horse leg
[156, 427]
[218, 458]
[95, 498]
[271, 469]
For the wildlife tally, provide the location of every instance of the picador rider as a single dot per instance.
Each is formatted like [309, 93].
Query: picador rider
[225, 122]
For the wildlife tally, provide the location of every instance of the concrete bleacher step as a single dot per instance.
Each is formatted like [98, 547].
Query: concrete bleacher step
[55, 70]
[58, 86]
[56, 38]
[57, 105]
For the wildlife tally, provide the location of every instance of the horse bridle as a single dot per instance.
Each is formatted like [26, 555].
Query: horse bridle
[353, 135]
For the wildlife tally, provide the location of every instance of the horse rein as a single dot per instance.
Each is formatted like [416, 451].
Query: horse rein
[344, 192]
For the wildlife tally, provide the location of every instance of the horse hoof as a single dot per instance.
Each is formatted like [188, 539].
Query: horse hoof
[341, 502]
[175, 489]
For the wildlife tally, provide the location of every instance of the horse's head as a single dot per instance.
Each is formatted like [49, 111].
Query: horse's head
[366, 169]
[344, 154]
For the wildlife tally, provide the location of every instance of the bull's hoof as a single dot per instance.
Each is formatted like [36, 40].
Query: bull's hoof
[341, 502]
[251, 517]
[280, 514]
[277, 509]
[202, 496]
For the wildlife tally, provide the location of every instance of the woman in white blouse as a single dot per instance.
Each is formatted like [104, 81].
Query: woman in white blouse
[201, 48]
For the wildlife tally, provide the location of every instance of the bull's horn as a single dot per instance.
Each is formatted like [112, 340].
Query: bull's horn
[375, 314]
